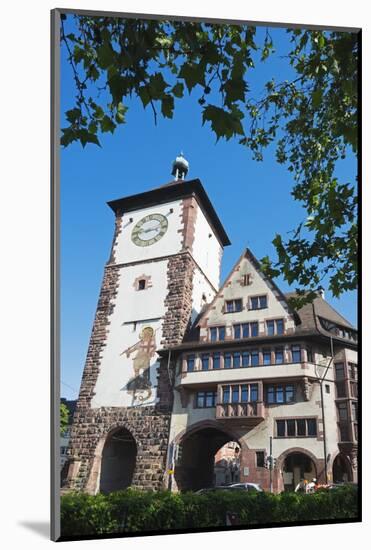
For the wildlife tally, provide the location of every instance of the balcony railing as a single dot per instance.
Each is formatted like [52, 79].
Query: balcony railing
[240, 410]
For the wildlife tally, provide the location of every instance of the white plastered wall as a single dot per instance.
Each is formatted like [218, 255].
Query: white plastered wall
[170, 243]
[207, 249]
[259, 286]
[133, 311]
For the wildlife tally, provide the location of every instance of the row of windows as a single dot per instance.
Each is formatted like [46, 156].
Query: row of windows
[246, 393]
[338, 330]
[274, 327]
[253, 302]
[251, 358]
[296, 427]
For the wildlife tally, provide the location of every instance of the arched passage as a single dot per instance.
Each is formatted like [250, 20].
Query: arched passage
[195, 463]
[297, 466]
[118, 461]
[341, 469]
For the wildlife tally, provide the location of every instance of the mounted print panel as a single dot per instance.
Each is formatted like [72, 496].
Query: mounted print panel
[206, 188]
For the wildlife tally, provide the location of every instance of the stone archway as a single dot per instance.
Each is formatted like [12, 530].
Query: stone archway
[296, 464]
[341, 469]
[197, 448]
[118, 460]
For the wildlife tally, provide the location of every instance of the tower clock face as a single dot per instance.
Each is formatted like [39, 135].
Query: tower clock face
[149, 230]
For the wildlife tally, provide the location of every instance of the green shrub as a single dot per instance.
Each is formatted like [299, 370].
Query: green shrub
[133, 510]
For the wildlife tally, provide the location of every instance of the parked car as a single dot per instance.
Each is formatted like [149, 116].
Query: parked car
[252, 487]
[247, 487]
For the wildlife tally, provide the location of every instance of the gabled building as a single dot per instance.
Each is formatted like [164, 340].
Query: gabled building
[177, 366]
[279, 382]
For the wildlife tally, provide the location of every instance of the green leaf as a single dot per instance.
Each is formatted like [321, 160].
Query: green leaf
[167, 106]
[105, 55]
[73, 115]
[107, 124]
[317, 97]
[86, 137]
[193, 74]
[157, 86]
[178, 89]
[144, 95]
[223, 123]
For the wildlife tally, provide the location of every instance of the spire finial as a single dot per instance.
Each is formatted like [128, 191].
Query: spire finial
[180, 167]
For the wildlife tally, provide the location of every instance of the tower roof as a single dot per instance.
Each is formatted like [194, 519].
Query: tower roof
[169, 192]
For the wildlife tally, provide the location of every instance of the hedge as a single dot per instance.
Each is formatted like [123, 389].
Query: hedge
[133, 510]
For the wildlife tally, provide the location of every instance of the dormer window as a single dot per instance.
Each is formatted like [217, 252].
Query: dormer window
[233, 306]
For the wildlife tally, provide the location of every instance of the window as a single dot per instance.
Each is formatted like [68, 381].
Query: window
[296, 427]
[258, 302]
[205, 361]
[244, 393]
[245, 330]
[267, 357]
[237, 331]
[226, 394]
[190, 363]
[141, 284]
[296, 354]
[227, 360]
[339, 371]
[290, 428]
[235, 394]
[240, 393]
[245, 358]
[281, 428]
[340, 389]
[246, 280]
[236, 360]
[344, 432]
[309, 355]
[205, 399]
[327, 388]
[216, 360]
[352, 369]
[280, 393]
[274, 327]
[354, 411]
[232, 306]
[260, 459]
[354, 389]
[301, 427]
[342, 412]
[278, 356]
[217, 333]
[254, 392]
[254, 358]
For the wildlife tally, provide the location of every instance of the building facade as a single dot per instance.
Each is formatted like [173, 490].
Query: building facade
[178, 366]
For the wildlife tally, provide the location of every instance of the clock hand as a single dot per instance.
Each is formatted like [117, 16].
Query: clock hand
[150, 229]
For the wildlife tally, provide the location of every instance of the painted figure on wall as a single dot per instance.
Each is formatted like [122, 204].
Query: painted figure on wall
[140, 384]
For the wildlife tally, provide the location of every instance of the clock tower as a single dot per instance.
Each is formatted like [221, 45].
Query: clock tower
[163, 268]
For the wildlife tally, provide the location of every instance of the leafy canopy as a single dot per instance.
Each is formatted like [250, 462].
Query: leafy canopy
[311, 120]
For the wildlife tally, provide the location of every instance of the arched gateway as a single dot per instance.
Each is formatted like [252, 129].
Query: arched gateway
[197, 448]
[118, 461]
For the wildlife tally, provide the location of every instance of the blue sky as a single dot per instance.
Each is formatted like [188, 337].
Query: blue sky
[252, 199]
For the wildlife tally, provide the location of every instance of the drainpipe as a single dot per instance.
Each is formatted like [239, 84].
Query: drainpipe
[321, 380]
